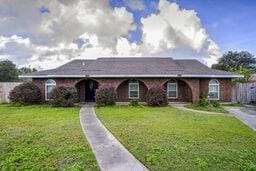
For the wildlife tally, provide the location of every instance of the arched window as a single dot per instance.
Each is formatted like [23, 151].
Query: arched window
[133, 89]
[172, 89]
[49, 86]
[214, 89]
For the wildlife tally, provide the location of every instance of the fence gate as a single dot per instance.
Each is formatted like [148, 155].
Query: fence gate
[244, 92]
[5, 89]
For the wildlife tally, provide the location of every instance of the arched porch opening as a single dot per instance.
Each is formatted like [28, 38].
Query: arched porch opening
[124, 92]
[86, 90]
[183, 91]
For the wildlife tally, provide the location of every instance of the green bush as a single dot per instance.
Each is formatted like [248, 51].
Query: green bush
[63, 96]
[134, 102]
[26, 93]
[203, 102]
[156, 97]
[215, 103]
[106, 96]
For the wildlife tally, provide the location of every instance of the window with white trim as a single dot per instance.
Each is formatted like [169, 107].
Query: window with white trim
[133, 89]
[49, 86]
[214, 89]
[172, 89]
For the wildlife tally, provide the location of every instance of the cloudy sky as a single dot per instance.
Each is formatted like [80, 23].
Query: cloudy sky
[47, 33]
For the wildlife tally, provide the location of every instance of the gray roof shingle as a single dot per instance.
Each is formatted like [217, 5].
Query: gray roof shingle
[133, 66]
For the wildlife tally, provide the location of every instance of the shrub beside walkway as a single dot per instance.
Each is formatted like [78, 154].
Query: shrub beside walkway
[109, 152]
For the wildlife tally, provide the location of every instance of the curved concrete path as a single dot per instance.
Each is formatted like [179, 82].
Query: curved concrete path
[182, 107]
[110, 154]
[245, 114]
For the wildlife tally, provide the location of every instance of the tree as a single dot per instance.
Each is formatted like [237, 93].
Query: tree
[232, 61]
[26, 70]
[246, 72]
[8, 71]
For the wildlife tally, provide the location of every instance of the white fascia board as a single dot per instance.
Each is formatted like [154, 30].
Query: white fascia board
[132, 76]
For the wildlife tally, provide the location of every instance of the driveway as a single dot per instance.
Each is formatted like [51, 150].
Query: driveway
[246, 114]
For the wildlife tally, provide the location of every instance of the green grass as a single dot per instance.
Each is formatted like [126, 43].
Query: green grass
[43, 138]
[209, 108]
[167, 138]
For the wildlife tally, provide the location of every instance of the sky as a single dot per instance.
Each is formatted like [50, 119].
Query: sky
[47, 33]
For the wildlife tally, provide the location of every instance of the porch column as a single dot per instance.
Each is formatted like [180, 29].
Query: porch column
[194, 86]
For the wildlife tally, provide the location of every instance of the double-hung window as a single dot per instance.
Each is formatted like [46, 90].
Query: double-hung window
[49, 86]
[214, 89]
[133, 89]
[172, 89]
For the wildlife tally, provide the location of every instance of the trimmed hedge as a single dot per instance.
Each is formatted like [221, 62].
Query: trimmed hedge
[156, 97]
[63, 96]
[106, 96]
[26, 93]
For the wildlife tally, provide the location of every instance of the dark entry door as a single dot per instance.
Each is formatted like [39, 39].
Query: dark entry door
[90, 88]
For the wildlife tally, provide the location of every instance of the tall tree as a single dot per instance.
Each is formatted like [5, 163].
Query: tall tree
[232, 61]
[27, 70]
[8, 71]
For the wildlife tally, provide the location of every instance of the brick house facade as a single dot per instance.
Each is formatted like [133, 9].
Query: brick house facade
[189, 89]
[183, 80]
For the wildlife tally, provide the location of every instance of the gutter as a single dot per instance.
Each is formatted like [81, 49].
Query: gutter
[133, 76]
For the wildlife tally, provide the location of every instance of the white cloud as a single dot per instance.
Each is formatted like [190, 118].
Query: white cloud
[135, 4]
[47, 40]
[173, 29]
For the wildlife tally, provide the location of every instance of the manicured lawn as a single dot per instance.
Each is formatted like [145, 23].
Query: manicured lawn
[170, 139]
[209, 108]
[43, 138]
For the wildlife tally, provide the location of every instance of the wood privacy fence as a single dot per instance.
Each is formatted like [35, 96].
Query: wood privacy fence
[5, 89]
[244, 92]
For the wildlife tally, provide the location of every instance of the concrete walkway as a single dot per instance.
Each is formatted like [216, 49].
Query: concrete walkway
[111, 155]
[182, 107]
[246, 114]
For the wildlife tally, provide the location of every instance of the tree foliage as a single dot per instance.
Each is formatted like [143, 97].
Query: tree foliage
[8, 71]
[26, 70]
[232, 61]
[246, 72]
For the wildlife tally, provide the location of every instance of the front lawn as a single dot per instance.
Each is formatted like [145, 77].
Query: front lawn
[43, 138]
[208, 108]
[167, 138]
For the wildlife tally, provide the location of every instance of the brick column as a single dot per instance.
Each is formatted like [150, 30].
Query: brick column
[193, 83]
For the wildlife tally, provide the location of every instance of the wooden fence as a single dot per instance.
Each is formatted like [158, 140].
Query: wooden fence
[244, 92]
[5, 89]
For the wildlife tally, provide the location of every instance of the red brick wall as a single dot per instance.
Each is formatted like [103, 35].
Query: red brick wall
[225, 88]
[184, 92]
[189, 88]
[123, 92]
[40, 82]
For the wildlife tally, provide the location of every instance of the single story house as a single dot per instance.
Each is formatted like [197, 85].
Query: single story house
[183, 80]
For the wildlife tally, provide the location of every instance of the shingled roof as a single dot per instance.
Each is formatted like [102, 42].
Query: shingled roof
[132, 67]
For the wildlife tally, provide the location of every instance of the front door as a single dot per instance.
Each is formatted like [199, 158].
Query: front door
[90, 88]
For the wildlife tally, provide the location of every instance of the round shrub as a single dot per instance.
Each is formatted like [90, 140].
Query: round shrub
[106, 96]
[63, 96]
[215, 103]
[26, 93]
[134, 102]
[156, 97]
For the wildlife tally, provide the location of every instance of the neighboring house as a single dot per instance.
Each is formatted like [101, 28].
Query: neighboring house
[183, 80]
